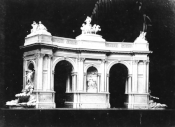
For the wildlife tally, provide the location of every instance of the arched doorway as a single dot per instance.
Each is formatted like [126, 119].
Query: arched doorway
[117, 81]
[62, 80]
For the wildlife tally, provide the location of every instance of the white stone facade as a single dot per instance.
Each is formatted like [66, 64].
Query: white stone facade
[84, 88]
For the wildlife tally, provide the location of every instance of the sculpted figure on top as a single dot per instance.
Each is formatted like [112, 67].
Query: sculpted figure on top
[142, 35]
[88, 28]
[37, 27]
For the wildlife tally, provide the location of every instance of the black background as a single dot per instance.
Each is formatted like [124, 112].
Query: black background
[122, 21]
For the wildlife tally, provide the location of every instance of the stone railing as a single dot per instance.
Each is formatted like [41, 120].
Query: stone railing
[86, 44]
[119, 45]
[61, 40]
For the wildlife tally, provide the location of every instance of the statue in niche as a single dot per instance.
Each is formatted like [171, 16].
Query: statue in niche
[91, 82]
[29, 76]
[25, 98]
[88, 29]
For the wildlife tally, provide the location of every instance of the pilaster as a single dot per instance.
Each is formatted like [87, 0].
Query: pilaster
[49, 72]
[135, 76]
[39, 71]
[80, 74]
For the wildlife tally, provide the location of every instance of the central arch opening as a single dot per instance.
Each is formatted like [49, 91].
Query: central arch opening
[117, 81]
[62, 82]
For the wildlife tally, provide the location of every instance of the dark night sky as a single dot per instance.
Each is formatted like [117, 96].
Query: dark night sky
[122, 21]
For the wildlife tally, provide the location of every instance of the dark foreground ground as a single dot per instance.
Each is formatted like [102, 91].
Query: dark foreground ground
[86, 118]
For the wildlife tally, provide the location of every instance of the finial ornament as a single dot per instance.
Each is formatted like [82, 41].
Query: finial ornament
[88, 28]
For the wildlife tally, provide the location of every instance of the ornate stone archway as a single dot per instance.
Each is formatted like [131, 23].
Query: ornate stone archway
[88, 49]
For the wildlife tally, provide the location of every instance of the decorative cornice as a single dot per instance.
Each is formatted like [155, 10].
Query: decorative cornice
[86, 50]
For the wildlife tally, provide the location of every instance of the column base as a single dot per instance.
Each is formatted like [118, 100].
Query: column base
[45, 99]
[137, 101]
[87, 100]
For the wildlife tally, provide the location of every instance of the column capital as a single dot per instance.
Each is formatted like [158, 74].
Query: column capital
[104, 60]
[38, 55]
[136, 61]
[85, 74]
[129, 75]
[50, 56]
[53, 72]
[147, 61]
[107, 75]
[80, 59]
[24, 57]
[98, 74]
[74, 73]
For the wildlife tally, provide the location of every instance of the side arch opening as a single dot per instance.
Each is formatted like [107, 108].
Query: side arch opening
[117, 82]
[62, 82]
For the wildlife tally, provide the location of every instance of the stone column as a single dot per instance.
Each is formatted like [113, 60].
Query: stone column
[147, 76]
[102, 80]
[49, 72]
[39, 70]
[129, 83]
[80, 74]
[135, 76]
[144, 76]
[85, 80]
[126, 85]
[107, 82]
[24, 72]
[68, 84]
[74, 81]
[52, 80]
[98, 82]
[105, 79]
